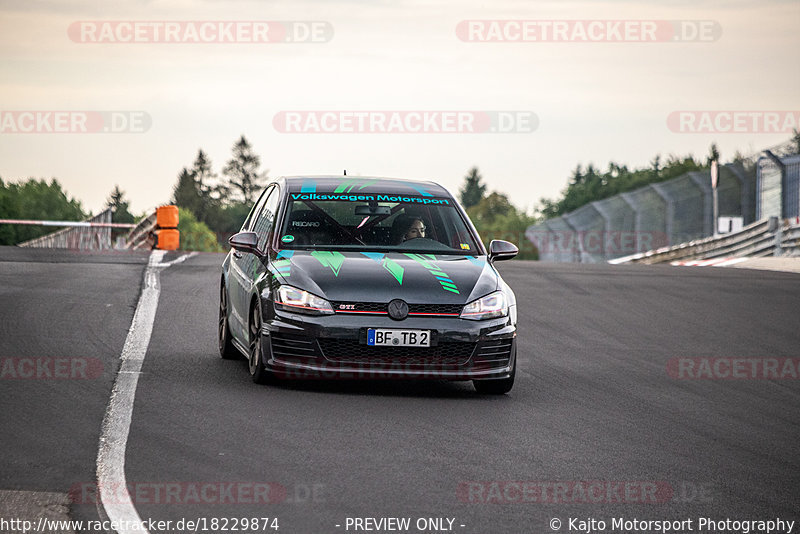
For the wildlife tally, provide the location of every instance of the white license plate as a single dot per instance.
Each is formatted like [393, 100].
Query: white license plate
[383, 337]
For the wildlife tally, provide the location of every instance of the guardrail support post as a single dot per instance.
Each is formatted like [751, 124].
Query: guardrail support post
[775, 226]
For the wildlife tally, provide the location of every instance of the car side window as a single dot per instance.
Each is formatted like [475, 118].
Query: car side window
[266, 218]
[253, 216]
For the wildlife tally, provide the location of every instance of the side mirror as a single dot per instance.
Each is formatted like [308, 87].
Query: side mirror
[502, 250]
[245, 242]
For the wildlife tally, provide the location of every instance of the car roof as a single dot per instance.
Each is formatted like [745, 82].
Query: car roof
[363, 185]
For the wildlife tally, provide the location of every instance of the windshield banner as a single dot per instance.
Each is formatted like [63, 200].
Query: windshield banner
[378, 198]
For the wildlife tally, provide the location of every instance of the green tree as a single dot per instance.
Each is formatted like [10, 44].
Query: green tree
[496, 218]
[231, 218]
[212, 193]
[199, 191]
[117, 202]
[37, 200]
[490, 208]
[713, 153]
[186, 193]
[655, 164]
[473, 190]
[242, 171]
[577, 175]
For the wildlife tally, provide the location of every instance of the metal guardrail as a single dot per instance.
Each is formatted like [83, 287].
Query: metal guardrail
[142, 236]
[92, 234]
[157, 230]
[790, 241]
[71, 224]
[95, 232]
[769, 237]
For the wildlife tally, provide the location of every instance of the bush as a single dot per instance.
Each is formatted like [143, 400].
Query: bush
[196, 236]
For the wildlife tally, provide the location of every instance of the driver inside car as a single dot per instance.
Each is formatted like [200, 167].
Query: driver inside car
[407, 227]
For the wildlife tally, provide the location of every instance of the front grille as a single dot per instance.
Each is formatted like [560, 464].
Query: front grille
[493, 353]
[435, 309]
[287, 347]
[351, 351]
[415, 309]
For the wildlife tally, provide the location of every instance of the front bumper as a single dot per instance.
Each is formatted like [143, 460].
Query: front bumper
[334, 346]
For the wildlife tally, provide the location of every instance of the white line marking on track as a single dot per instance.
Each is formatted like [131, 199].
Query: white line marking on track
[117, 421]
[179, 259]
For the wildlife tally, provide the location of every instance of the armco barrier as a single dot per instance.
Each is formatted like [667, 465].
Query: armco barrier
[92, 234]
[142, 236]
[771, 237]
[157, 230]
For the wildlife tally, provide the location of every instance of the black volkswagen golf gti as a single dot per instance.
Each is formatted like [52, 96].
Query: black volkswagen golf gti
[343, 277]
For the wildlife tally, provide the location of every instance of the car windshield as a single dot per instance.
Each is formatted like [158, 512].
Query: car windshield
[375, 222]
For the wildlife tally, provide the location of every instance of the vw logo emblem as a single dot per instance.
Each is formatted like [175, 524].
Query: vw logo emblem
[398, 309]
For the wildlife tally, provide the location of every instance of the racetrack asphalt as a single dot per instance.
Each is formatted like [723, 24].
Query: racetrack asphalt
[594, 401]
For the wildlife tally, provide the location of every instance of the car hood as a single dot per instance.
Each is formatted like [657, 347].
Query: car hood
[381, 277]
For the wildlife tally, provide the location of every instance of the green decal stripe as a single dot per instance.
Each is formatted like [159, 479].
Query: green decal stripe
[280, 272]
[422, 261]
[395, 268]
[346, 183]
[333, 260]
[367, 183]
[434, 270]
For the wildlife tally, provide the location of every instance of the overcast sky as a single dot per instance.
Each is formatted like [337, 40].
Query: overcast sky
[595, 101]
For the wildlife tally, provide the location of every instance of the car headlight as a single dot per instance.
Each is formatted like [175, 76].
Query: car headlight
[291, 299]
[488, 307]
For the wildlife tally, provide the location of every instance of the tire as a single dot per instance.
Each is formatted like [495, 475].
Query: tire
[255, 360]
[226, 349]
[496, 387]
